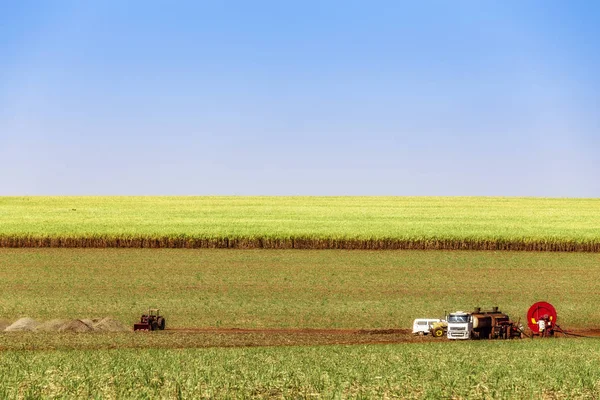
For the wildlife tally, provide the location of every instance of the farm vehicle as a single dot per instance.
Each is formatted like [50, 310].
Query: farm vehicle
[491, 324]
[479, 324]
[151, 321]
[541, 319]
[430, 326]
[440, 328]
[423, 326]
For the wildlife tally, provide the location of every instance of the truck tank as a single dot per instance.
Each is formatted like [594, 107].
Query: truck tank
[485, 321]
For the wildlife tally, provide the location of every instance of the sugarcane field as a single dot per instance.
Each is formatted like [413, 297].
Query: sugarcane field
[337, 317]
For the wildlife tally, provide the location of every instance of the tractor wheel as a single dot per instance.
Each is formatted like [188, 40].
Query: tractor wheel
[439, 332]
[154, 325]
[161, 324]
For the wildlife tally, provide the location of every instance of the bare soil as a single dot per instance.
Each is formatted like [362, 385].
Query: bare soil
[586, 332]
[51, 326]
[22, 325]
[106, 324]
[109, 325]
[306, 336]
[245, 337]
[75, 325]
[305, 331]
[183, 338]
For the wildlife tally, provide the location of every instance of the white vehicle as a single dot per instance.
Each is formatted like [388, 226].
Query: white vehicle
[460, 325]
[422, 326]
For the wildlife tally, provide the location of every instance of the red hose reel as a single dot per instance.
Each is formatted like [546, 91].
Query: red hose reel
[540, 310]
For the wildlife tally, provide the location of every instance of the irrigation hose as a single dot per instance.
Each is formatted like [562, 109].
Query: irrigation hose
[576, 335]
[561, 330]
[529, 336]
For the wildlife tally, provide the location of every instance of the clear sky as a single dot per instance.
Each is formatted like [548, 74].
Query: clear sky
[300, 98]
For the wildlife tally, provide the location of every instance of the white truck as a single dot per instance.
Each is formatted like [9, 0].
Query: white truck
[460, 325]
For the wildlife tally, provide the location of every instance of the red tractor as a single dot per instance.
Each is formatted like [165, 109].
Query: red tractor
[150, 322]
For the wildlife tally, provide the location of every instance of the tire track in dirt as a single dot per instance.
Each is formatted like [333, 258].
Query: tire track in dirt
[306, 331]
[199, 338]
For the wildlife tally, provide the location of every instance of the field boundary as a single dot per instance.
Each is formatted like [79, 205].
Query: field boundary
[304, 243]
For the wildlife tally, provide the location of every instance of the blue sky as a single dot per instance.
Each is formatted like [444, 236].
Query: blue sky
[300, 98]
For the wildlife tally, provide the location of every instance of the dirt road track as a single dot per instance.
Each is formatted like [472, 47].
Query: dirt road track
[245, 337]
[189, 338]
[305, 331]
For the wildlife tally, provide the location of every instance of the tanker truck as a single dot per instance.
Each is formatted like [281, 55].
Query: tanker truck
[478, 324]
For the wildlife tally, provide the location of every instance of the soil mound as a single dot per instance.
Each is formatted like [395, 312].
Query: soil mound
[110, 325]
[64, 325]
[22, 324]
[4, 324]
[90, 321]
[53, 325]
[75, 325]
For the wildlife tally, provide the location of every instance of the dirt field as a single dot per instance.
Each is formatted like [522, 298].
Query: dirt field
[194, 337]
[342, 336]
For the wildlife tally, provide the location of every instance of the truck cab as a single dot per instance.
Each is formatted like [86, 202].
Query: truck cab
[460, 325]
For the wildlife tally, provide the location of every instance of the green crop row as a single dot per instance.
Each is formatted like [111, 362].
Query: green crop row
[469, 223]
[543, 369]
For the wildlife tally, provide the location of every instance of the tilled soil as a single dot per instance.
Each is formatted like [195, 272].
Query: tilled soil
[244, 337]
[309, 336]
[307, 331]
[204, 338]
[583, 332]
[194, 337]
